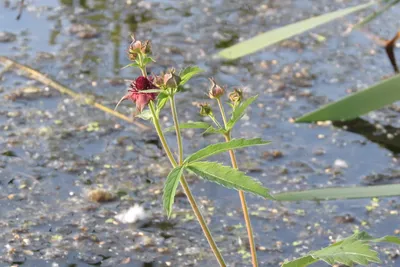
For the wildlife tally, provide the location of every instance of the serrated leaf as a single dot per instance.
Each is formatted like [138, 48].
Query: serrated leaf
[212, 130]
[214, 149]
[145, 115]
[170, 188]
[274, 36]
[189, 125]
[239, 111]
[300, 262]
[188, 73]
[349, 251]
[353, 249]
[388, 238]
[376, 14]
[228, 177]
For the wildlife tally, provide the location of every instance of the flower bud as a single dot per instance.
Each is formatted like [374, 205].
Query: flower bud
[137, 47]
[236, 96]
[215, 91]
[146, 48]
[205, 110]
[171, 80]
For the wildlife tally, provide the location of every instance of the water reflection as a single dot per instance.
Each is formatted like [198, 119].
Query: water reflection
[389, 138]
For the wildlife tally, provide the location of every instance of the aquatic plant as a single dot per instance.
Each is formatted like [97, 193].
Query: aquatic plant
[155, 92]
[377, 96]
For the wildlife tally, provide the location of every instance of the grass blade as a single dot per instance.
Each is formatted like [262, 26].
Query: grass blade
[341, 193]
[376, 14]
[350, 107]
[274, 36]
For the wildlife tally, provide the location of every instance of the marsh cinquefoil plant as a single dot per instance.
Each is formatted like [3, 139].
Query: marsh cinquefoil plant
[155, 92]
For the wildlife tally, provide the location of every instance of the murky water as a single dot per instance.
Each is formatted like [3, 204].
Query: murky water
[55, 150]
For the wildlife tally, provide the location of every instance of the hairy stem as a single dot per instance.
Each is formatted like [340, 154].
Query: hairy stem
[142, 67]
[241, 194]
[186, 188]
[177, 130]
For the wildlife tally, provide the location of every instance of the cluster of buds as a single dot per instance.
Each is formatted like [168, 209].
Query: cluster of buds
[137, 47]
[168, 80]
[215, 92]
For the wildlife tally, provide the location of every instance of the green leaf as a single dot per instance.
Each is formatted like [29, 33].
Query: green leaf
[147, 60]
[387, 239]
[150, 91]
[145, 115]
[376, 14]
[170, 187]
[130, 65]
[341, 193]
[274, 36]
[189, 125]
[162, 99]
[349, 251]
[212, 130]
[188, 73]
[353, 249]
[300, 262]
[214, 149]
[350, 107]
[228, 177]
[239, 111]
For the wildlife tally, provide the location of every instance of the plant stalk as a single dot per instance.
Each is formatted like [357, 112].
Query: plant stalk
[184, 183]
[177, 130]
[241, 193]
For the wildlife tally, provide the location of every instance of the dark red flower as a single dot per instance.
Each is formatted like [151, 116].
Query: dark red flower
[140, 98]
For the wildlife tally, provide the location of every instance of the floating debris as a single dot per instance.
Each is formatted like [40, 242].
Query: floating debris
[7, 37]
[100, 195]
[132, 215]
[340, 164]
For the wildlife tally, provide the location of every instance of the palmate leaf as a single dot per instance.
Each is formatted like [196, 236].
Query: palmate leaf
[239, 111]
[189, 125]
[228, 177]
[214, 149]
[387, 239]
[187, 73]
[349, 251]
[350, 107]
[334, 193]
[274, 36]
[300, 262]
[170, 187]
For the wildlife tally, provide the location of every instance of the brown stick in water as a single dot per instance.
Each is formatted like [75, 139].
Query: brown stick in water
[36, 75]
